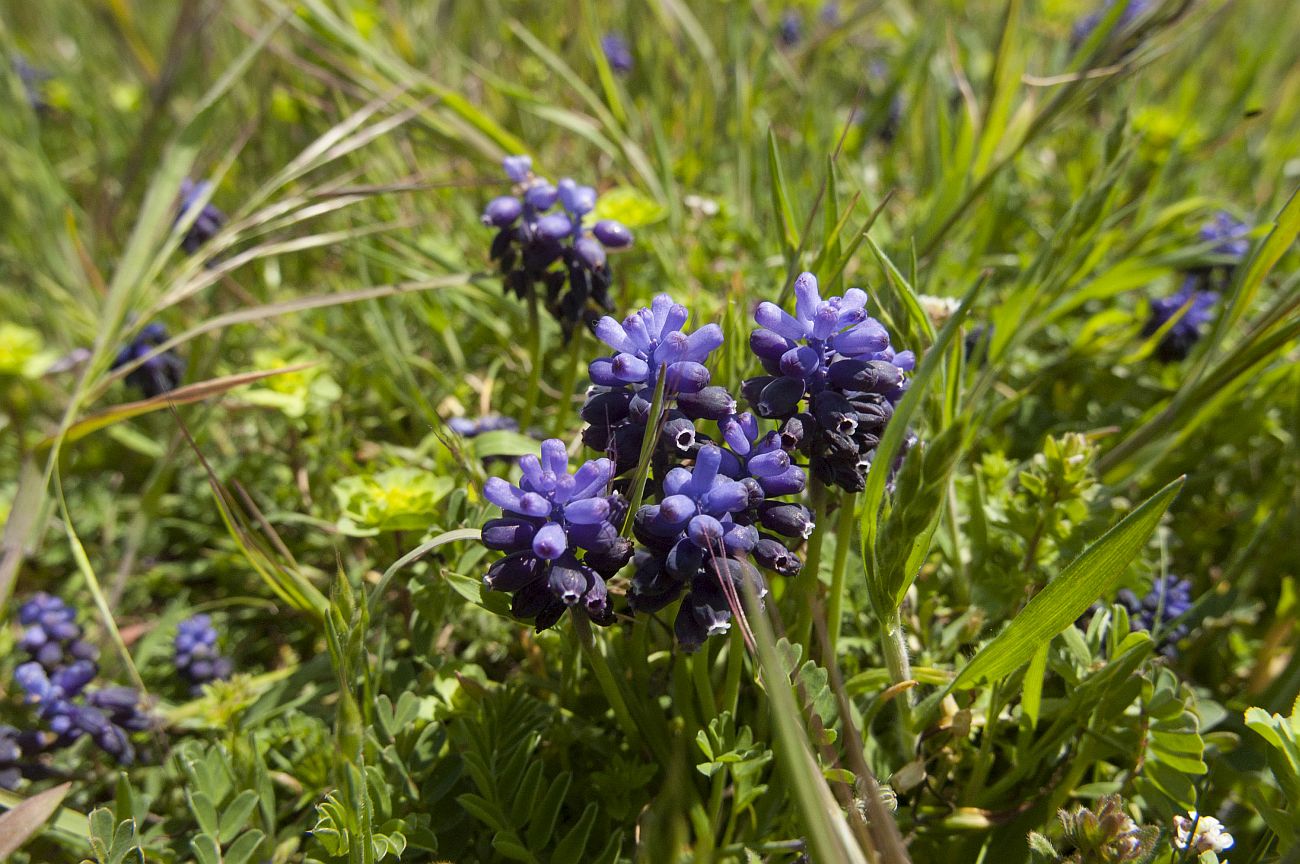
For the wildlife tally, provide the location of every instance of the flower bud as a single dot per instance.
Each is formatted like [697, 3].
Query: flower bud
[614, 235]
[711, 403]
[502, 212]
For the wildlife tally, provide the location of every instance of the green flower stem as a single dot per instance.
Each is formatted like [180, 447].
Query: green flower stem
[843, 534]
[809, 580]
[648, 444]
[703, 684]
[570, 381]
[735, 668]
[900, 670]
[609, 685]
[535, 361]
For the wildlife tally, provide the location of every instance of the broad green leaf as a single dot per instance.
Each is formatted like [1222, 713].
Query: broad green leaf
[1066, 597]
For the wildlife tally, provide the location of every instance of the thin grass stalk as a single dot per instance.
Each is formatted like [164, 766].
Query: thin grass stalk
[894, 644]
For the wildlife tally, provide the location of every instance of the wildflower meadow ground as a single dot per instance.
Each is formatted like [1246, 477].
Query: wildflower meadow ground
[649, 431]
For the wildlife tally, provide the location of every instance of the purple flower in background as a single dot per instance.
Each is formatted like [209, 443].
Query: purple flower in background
[561, 533]
[617, 52]
[471, 427]
[540, 248]
[1230, 235]
[1084, 27]
[51, 635]
[833, 377]
[791, 30]
[157, 375]
[33, 80]
[1196, 310]
[1157, 612]
[196, 655]
[209, 219]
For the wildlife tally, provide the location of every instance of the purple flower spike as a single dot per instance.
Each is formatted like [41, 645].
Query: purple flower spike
[517, 168]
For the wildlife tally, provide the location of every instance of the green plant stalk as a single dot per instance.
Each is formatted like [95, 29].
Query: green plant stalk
[839, 572]
[561, 417]
[610, 687]
[703, 683]
[900, 670]
[535, 361]
[979, 774]
[809, 580]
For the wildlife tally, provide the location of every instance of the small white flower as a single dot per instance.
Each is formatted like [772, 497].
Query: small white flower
[705, 207]
[1202, 833]
[938, 309]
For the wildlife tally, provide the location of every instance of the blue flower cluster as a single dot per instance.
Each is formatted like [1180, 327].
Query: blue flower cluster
[196, 656]
[209, 219]
[157, 375]
[833, 378]
[1191, 307]
[56, 681]
[712, 510]
[560, 531]
[534, 236]
[1157, 612]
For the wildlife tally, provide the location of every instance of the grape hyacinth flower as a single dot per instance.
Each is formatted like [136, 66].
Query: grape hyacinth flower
[51, 635]
[209, 219]
[534, 236]
[157, 375]
[1195, 310]
[617, 53]
[1157, 611]
[618, 408]
[833, 378]
[32, 80]
[196, 655]
[560, 531]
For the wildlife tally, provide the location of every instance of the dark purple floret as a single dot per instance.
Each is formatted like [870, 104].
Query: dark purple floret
[561, 535]
[196, 656]
[553, 252]
[157, 375]
[617, 53]
[209, 219]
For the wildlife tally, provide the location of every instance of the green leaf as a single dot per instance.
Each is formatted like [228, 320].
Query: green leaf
[243, 849]
[541, 825]
[206, 849]
[575, 842]
[1068, 595]
[236, 814]
[503, 442]
[781, 197]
